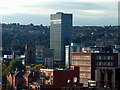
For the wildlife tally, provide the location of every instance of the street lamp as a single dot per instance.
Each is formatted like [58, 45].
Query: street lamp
[75, 81]
[68, 81]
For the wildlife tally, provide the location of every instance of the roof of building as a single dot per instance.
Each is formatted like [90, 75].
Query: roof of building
[57, 69]
[38, 83]
[18, 74]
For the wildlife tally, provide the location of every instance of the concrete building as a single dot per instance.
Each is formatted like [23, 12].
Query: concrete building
[44, 56]
[60, 35]
[116, 49]
[6, 56]
[108, 77]
[88, 62]
[30, 54]
[69, 49]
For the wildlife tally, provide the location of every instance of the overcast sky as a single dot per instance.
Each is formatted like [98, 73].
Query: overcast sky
[85, 12]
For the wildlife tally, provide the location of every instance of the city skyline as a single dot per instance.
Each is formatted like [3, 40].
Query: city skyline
[85, 12]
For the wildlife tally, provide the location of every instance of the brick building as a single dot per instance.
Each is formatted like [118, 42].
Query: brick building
[21, 80]
[83, 60]
[57, 78]
[89, 61]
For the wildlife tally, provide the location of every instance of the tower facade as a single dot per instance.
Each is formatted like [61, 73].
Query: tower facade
[60, 35]
[30, 54]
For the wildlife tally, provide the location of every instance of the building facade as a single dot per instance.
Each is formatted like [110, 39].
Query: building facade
[83, 60]
[69, 49]
[60, 35]
[108, 77]
[88, 62]
[30, 54]
[60, 77]
[44, 56]
[19, 80]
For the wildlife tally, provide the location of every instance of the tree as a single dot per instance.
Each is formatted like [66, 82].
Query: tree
[4, 69]
[16, 64]
[4, 73]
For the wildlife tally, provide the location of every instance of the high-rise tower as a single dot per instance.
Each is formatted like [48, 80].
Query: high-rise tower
[60, 35]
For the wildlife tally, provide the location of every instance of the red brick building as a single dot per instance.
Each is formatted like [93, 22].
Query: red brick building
[21, 80]
[59, 77]
[83, 61]
[46, 79]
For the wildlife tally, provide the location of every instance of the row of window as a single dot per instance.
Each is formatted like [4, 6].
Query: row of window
[82, 57]
[85, 75]
[97, 57]
[84, 81]
[104, 58]
[104, 63]
[85, 68]
[81, 63]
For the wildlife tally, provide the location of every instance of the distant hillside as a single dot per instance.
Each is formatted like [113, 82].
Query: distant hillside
[16, 36]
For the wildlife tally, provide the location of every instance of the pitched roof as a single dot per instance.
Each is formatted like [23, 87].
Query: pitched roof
[18, 74]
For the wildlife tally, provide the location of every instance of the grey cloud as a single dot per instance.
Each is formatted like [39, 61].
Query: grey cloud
[66, 5]
[73, 7]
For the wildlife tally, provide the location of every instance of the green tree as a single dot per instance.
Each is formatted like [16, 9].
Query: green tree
[4, 69]
[16, 64]
[4, 73]
[4, 79]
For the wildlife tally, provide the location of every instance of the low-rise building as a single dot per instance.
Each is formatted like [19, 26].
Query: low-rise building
[58, 78]
[88, 62]
[108, 77]
[44, 56]
[21, 80]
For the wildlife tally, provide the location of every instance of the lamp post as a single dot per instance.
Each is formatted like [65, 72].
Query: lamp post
[68, 81]
[75, 81]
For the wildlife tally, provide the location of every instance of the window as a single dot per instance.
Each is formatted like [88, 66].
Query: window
[105, 58]
[100, 63]
[100, 58]
[109, 58]
[104, 63]
[109, 63]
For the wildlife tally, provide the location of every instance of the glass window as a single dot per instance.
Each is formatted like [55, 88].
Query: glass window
[100, 58]
[109, 58]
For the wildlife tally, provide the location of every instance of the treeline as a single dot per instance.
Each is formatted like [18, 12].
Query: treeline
[16, 36]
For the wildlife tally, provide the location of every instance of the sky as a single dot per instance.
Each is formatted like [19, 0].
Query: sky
[85, 12]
